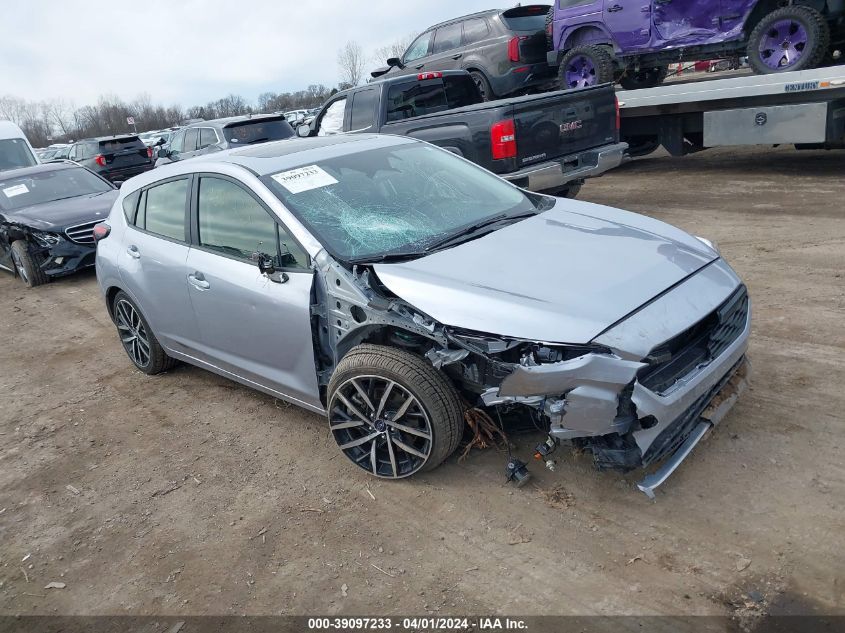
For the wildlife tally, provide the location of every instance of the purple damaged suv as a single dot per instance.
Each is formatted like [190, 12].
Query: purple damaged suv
[632, 41]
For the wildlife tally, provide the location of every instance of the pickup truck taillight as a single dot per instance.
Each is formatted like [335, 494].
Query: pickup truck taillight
[100, 160]
[503, 139]
[513, 47]
[149, 152]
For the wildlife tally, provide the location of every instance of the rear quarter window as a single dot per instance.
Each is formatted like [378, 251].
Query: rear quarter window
[130, 206]
[475, 30]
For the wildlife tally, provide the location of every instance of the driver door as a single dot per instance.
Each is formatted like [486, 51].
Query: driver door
[629, 22]
[253, 327]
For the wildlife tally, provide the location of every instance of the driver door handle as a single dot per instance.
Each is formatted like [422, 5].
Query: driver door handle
[197, 280]
[458, 56]
[133, 252]
[419, 67]
[615, 8]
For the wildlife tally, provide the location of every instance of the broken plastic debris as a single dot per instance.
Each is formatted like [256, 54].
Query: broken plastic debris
[56, 585]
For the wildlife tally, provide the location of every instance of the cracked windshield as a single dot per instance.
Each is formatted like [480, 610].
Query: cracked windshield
[374, 203]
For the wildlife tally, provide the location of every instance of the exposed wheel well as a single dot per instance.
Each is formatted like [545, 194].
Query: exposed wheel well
[586, 35]
[110, 295]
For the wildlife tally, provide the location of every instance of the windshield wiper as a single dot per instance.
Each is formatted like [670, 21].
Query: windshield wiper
[389, 257]
[470, 230]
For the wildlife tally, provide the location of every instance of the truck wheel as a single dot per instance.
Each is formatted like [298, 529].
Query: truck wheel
[391, 413]
[641, 145]
[585, 66]
[791, 38]
[26, 268]
[643, 78]
[483, 85]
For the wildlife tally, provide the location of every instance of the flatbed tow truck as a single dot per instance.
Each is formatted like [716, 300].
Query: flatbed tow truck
[804, 108]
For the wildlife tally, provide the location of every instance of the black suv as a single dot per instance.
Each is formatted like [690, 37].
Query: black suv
[213, 136]
[115, 158]
[504, 51]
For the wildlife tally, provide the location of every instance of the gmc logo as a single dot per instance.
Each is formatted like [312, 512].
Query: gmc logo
[571, 126]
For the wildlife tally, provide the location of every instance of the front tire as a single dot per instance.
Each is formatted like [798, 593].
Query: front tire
[391, 413]
[25, 266]
[791, 38]
[138, 340]
[585, 66]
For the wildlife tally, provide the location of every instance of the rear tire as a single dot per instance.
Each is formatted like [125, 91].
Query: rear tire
[25, 266]
[138, 340]
[791, 38]
[585, 66]
[431, 426]
[644, 78]
[483, 85]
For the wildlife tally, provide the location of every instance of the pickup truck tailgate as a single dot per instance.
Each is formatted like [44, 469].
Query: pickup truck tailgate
[563, 123]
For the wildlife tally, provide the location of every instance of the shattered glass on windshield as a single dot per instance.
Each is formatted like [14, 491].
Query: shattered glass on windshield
[396, 199]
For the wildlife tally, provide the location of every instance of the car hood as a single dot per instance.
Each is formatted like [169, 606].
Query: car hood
[60, 214]
[563, 276]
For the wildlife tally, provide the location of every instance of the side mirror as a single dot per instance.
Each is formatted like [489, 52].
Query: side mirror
[160, 142]
[304, 130]
[164, 152]
[267, 268]
[394, 61]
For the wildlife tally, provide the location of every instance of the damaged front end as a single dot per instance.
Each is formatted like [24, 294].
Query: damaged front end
[57, 254]
[639, 395]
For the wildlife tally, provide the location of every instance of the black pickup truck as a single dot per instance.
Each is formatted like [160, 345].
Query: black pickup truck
[549, 142]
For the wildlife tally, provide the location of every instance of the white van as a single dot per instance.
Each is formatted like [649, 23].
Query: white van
[15, 150]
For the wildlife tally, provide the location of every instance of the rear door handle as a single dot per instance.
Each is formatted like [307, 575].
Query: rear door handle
[197, 280]
[420, 66]
[458, 56]
[615, 8]
[133, 252]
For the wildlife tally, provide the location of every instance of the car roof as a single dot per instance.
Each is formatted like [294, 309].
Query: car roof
[477, 14]
[106, 138]
[234, 119]
[275, 156]
[10, 130]
[37, 169]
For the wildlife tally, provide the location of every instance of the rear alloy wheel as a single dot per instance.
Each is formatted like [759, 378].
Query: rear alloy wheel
[137, 338]
[643, 78]
[585, 66]
[791, 38]
[26, 268]
[391, 413]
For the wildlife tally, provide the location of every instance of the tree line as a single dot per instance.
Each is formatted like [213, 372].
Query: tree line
[59, 120]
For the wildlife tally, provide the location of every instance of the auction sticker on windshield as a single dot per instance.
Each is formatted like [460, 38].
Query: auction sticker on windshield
[304, 179]
[17, 190]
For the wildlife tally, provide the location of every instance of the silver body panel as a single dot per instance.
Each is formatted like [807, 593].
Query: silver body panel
[772, 125]
[563, 276]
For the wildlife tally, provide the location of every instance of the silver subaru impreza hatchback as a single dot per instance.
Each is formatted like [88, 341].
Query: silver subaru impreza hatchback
[392, 286]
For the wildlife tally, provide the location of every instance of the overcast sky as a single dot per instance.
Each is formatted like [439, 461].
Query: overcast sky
[193, 51]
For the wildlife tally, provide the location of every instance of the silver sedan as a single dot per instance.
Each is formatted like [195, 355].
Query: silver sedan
[393, 286]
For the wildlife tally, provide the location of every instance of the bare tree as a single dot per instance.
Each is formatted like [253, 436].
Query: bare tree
[350, 60]
[395, 49]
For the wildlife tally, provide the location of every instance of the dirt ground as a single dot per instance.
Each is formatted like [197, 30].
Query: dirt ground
[188, 494]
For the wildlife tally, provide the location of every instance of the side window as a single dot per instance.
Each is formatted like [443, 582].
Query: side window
[475, 30]
[90, 150]
[419, 48]
[74, 153]
[447, 38]
[130, 206]
[177, 142]
[363, 110]
[565, 4]
[164, 209]
[233, 222]
[332, 121]
[190, 143]
[207, 137]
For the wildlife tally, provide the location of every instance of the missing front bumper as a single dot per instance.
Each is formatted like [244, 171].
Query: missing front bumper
[713, 414]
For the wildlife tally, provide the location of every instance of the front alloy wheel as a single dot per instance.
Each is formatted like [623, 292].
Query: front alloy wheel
[381, 426]
[391, 413]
